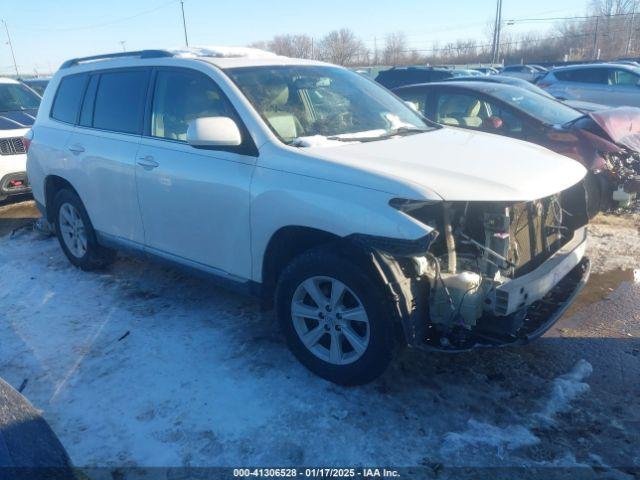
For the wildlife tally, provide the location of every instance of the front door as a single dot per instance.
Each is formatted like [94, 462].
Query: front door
[194, 202]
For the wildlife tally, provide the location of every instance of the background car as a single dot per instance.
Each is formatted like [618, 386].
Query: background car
[594, 140]
[606, 83]
[518, 82]
[526, 72]
[398, 76]
[487, 70]
[37, 84]
[18, 108]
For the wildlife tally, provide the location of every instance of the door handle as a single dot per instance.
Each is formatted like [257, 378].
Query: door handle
[76, 148]
[148, 162]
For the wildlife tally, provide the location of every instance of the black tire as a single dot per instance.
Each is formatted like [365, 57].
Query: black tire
[595, 186]
[95, 256]
[378, 354]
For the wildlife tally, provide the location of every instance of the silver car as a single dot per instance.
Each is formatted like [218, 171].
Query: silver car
[605, 83]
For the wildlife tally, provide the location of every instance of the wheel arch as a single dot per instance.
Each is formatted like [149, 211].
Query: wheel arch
[284, 245]
[52, 185]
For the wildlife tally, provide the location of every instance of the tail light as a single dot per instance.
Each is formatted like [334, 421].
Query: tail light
[26, 140]
[543, 84]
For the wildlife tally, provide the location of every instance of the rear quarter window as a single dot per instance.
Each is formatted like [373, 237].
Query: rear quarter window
[119, 101]
[68, 97]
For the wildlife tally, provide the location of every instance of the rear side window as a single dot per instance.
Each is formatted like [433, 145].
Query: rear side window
[68, 98]
[584, 75]
[119, 102]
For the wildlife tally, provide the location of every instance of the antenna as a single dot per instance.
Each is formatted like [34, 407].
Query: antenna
[184, 24]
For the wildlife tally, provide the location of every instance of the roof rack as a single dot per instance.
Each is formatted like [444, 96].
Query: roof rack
[108, 56]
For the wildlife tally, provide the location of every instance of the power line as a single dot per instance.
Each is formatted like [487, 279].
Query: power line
[104, 24]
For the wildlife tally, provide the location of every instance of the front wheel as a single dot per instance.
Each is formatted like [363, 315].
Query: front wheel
[335, 318]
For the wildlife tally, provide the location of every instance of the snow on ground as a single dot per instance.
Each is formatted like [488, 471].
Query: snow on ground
[142, 365]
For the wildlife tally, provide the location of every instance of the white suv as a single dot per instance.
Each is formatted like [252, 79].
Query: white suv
[365, 225]
[18, 108]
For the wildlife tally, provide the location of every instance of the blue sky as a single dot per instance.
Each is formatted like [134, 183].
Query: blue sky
[46, 32]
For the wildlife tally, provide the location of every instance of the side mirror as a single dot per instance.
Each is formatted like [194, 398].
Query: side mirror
[213, 132]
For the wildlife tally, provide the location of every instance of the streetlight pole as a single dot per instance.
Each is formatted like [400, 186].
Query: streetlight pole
[184, 24]
[633, 15]
[495, 53]
[13, 55]
[595, 39]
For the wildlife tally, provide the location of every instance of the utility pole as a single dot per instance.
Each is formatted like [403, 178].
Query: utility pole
[633, 18]
[184, 24]
[122, 42]
[495, 50]
[595, 39]
[13, 55]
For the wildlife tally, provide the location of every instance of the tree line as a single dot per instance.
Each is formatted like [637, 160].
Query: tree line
[608, 30]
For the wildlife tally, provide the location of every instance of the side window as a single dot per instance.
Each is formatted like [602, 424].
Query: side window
[119, 103]
[418, 98]
[68, 97]
[182, 96]
[622, 77]
[470, 111]
[458, 109]
[584, 75]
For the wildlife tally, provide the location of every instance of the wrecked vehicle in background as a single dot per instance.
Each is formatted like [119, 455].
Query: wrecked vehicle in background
[606, 142]
[365, 225]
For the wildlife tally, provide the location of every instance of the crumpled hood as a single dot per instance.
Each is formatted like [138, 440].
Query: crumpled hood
[622, 124]
[17, 119]
[459, 165]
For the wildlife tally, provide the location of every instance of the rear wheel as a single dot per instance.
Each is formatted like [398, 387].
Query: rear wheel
[76, 235]
[334, 318]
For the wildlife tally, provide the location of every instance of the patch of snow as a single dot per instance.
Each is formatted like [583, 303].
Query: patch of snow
[479, 434]
[482, 435]
[566, 388]
[317, 141]
[221, 52]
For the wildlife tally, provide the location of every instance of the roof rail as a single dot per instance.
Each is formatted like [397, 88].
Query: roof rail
[108, 56]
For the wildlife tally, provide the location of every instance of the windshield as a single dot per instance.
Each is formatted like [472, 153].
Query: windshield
[545, 109]
[298, 102]
[15, 97]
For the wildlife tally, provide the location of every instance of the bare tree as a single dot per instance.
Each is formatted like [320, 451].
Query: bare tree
[297, 46]
[395, 49]
[341, 47]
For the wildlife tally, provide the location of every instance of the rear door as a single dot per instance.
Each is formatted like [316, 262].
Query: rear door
[105, 144]
[194, 202]
[588, 84]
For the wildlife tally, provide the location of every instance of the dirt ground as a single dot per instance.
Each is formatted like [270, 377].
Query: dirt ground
[164, 369]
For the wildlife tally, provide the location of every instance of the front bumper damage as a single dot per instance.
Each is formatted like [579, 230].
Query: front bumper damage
[514, 312]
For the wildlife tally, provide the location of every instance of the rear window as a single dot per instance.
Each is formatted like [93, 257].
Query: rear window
[583, 75]
[68, 98]
[119, 102]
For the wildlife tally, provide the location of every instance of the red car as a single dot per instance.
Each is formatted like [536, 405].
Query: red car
[606, 142]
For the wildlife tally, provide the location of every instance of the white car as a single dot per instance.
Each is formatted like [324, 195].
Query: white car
[305, 183]
[18, 108]
[525, 72]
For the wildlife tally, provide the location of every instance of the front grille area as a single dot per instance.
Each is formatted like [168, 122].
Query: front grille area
[11, 146]
[536, 233]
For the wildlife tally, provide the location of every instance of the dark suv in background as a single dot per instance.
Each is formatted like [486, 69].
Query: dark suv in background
[400, 76]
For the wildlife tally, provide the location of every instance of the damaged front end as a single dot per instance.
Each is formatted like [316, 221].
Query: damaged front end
[490, 273]
[612, 146]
